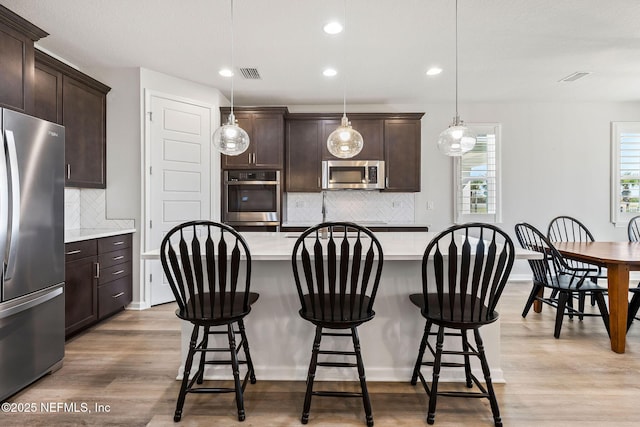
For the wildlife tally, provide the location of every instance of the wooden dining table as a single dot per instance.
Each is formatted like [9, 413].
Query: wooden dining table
[619, 258]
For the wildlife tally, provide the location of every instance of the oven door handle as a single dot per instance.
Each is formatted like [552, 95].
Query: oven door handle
[253, 182]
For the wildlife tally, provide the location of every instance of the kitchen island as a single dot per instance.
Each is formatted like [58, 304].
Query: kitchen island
[281, 341]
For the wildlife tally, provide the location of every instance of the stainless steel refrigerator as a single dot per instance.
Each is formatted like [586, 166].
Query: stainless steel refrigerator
[31, 250]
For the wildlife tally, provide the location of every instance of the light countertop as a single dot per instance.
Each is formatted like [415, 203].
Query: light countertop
[370, 224]
[78, 234]
[397, 246]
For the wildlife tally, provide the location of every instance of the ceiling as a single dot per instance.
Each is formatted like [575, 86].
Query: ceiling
[509, 50]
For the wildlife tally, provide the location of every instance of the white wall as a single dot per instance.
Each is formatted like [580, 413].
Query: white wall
[125, 145]
[123, 154]
[158, 82]
[555, 161]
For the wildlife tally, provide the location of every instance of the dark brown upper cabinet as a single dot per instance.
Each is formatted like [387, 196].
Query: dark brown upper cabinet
[394, 138]
[69, 97]
[16, 61]
[402, 154]
[303, 167]
[47, 93]
[372, 131]
[265, 126]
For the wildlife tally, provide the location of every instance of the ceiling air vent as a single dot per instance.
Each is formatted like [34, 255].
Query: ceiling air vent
[250, 73]
[575, 76]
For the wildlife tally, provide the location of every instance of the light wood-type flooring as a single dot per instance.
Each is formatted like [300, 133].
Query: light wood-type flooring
[129, 363]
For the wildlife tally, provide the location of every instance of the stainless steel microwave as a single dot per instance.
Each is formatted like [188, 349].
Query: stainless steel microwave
[353, 174]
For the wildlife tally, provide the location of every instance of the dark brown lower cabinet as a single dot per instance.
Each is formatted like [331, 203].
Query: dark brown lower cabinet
[98, 281]
[80, 294]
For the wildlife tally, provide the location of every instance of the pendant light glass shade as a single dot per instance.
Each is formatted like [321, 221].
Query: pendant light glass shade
[345, 141]
[230, 139]
[456, 140]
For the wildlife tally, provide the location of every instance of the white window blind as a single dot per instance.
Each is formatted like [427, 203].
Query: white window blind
[477, 176]
[625, 167]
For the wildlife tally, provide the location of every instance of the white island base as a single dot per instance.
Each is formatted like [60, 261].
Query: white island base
[281, 341]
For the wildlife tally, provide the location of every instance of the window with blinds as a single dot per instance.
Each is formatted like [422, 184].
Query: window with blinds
[477, 182]
[625, 167]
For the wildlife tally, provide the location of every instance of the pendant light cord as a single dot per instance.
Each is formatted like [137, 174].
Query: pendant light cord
[232, 70]
[457, 115]
[344, 63]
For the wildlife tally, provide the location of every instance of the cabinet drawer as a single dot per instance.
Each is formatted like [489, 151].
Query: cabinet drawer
[81, 249]
[114, 272]
[114, 296]
[114, 243]
[115, 257]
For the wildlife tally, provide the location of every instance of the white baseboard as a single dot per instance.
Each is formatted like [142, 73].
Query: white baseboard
[138, 305]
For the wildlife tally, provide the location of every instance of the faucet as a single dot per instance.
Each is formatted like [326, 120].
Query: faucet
[323, 232]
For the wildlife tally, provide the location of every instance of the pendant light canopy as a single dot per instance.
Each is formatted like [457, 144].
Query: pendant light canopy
[345, 142]
[457, 139]
[231, 139]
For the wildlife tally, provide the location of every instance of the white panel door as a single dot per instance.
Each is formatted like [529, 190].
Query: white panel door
[179, 176]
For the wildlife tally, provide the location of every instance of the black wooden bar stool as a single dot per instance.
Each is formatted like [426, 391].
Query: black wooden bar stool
[211, 286]
[337, 267]
[464, 270]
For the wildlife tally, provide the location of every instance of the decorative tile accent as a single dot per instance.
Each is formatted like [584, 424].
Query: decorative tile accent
[353, 205]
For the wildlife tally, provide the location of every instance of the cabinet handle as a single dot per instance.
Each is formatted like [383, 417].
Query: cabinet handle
[116, 258]
[77, 251]
[115, 273]
[386, 180]
[118, 295]
[118, 243]
[68, 170]
[97, 270]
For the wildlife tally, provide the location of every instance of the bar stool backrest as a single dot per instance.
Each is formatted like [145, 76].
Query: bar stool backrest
[465, 268]
[208, 266]
[339, 273]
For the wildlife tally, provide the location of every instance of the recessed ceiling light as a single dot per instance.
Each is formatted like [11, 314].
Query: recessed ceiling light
[329, 72]
[225, 72]
[434, 71]
[333, 28]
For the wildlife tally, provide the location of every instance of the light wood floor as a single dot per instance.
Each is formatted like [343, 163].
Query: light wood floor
[130, 361]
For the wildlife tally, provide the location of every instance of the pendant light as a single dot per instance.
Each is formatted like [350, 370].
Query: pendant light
[231, 139]
[457, 139]
[345, 142]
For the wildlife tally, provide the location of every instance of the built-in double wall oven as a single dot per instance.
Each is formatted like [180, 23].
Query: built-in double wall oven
[251, 198]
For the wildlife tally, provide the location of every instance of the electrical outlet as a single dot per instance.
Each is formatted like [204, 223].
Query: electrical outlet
[299, 204]
[396, 204]
[430, 205]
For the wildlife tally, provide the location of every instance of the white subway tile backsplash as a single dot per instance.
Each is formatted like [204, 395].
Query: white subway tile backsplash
[357, 206]
[71, 208]
[87, 208]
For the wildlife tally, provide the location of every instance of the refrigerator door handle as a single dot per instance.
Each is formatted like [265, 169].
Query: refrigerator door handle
[32, 301]
[15, 204]
[4, 206]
